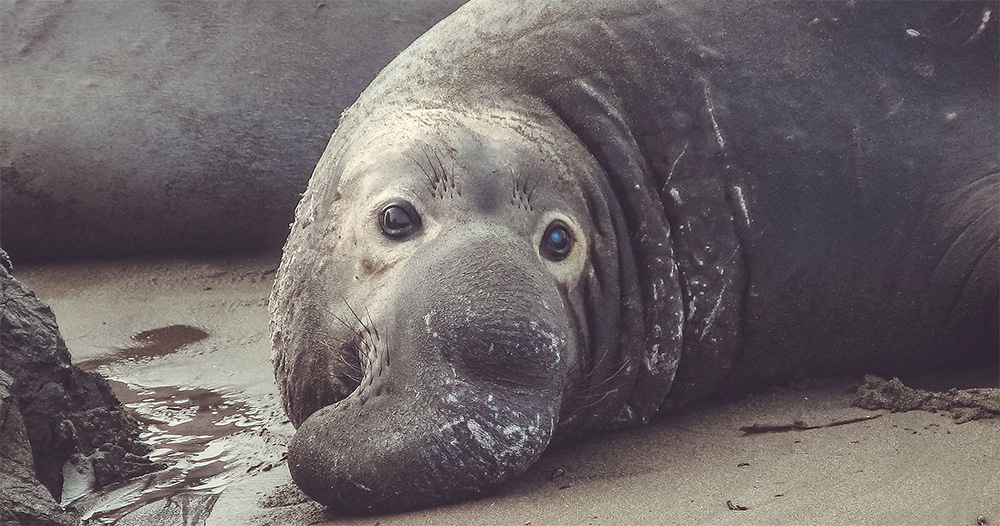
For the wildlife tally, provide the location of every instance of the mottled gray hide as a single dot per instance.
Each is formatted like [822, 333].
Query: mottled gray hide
[132, 127]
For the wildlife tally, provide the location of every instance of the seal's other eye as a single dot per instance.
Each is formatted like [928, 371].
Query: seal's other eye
[557, 242]
[398, 220]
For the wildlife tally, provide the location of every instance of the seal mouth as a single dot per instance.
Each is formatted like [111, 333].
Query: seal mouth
[357, 355]
[363, 360]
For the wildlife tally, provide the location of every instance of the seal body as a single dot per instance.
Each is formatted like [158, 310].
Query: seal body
[546, 218]
[177, 127]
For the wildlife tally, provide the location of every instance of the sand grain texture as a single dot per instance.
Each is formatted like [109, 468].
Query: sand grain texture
[908, 468]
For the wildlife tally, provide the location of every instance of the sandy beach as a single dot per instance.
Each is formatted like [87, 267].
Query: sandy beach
[185, 343]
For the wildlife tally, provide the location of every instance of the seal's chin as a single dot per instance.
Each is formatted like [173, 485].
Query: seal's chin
[401, 449]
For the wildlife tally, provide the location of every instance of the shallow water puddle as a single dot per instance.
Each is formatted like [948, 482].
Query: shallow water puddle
[183, 421]
[150, 344]
[190, 429]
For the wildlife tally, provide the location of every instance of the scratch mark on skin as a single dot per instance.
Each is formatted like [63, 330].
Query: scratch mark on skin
[674, 165]
[711, 115]
[601, 98]
[987, 13]
[362, 486]
[679, 333]
[743, 204]
[714, 313]
[718, 303]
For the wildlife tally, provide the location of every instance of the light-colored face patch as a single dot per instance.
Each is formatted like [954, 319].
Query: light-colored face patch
[456, 175]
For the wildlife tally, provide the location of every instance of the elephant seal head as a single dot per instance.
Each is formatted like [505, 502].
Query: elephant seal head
[451, 297]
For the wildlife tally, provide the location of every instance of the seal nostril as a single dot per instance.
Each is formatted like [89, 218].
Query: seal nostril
[507, 352]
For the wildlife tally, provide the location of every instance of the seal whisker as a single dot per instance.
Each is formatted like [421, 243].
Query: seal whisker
[610, 377]
[446, 177]
[364, 326]
[594, 401]
[534, 178]
[524, 183]
[514, 177]
[371, 323]
[357, 332]
[343, 342]
[429, 179]
[438, 174]
[593, 397]
[439, 180]
[352, 367]
[365, 342]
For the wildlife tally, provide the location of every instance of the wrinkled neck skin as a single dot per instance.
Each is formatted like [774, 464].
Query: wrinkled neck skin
[430, 369]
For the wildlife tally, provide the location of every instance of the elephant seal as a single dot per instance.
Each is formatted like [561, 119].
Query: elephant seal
[171, 126]
[548, 218]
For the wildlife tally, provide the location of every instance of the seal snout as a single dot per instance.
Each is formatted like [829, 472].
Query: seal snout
[461, 391]
[464, 349]
[436, 425]
[515, 351]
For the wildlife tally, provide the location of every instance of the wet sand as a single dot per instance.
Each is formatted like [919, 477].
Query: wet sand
[186, 345]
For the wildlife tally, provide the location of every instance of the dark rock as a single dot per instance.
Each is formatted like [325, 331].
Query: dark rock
[51, 411]
[112, 464]
[23, 500]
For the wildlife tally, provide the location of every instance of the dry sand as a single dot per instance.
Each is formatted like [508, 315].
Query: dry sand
[911, 468]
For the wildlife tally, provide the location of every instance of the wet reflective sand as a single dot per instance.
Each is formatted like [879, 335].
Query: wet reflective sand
[199, 383]
[186, 346]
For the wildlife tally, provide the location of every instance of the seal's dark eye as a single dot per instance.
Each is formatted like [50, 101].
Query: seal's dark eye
[398, 220]
[557, 242]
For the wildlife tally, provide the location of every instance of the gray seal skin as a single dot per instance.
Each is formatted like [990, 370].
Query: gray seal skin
[549, 218]
[128, 128]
